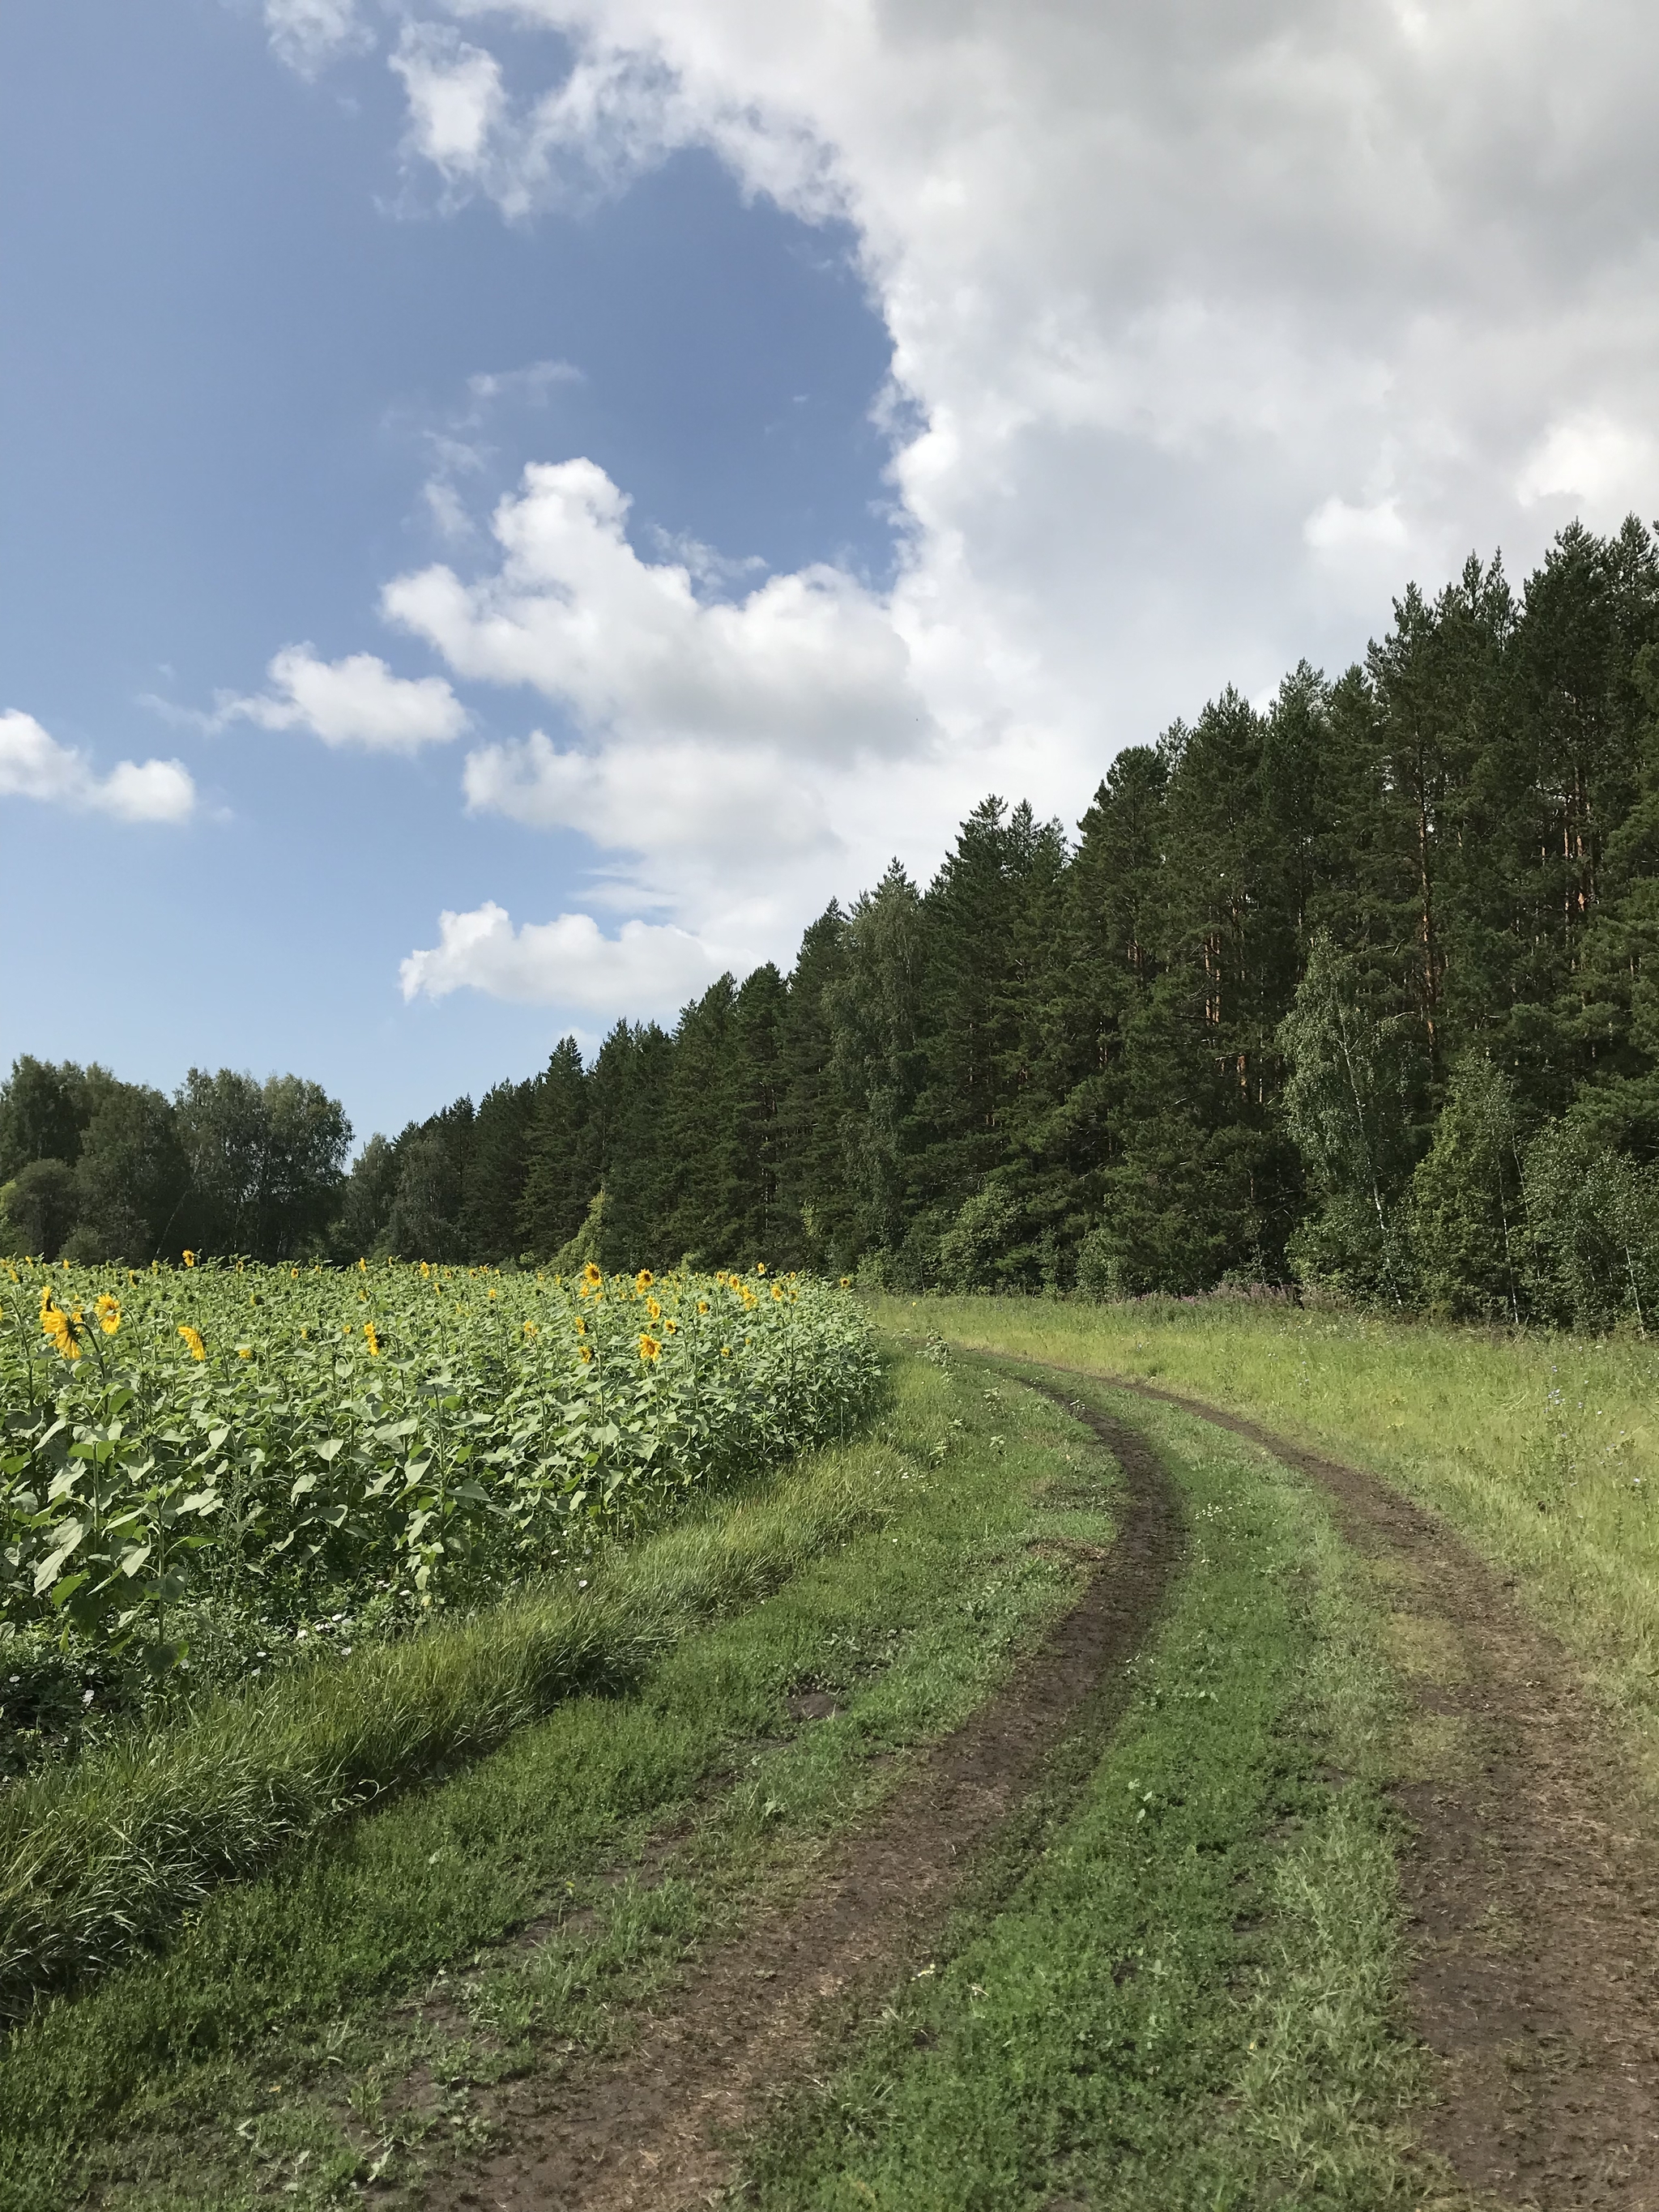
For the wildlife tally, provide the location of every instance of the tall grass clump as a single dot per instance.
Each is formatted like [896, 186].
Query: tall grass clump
[100, 1858]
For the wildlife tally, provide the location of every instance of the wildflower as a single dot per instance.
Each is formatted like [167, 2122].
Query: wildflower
[193, 1343]
[373, 1337]
[643, 1280]
[108, 1310]
[190, 1259]
[653, 1309]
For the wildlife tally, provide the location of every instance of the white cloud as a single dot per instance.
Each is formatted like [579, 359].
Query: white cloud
[34, 765]
[354, 701]
[1211, 325]
[455, 96]
[811, 661]
[1589, 459]
[646, 969]
[1336, 525]
[309, 35]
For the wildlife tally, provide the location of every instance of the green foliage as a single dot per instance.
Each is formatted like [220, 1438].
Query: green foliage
[1469, 1219]
[100, 1859]
[273, 1444]
[1592, 1232]
[1345, 1103]
[37, 1208]
[1212, 1038]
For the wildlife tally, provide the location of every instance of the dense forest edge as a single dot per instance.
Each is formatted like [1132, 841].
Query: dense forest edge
[1353, 995]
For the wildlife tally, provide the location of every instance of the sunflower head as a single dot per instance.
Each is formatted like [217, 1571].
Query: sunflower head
[372, 1338]
[653, 1309]
[649, 1348]
[190, 1259]
[193, 1343]
[643, 1280]
[592, 1276]
[586, 1351]
[108, 1310]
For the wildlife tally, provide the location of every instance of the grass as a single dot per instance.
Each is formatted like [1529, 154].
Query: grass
[1174, 1981]
[1190, 1999]
[346, 2014]
[1542, 1450]
[98, 1859]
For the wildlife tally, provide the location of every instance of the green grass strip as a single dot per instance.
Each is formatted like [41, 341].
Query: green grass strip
[101, 1858]
[1192, 2000]
[271, 2049]
[1541, 1449]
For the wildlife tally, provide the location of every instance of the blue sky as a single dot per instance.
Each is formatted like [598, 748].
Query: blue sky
[914, 403]
[238, 332]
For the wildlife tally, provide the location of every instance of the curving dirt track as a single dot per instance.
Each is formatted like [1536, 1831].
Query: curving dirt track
[653, 2129]
[1533, 1892]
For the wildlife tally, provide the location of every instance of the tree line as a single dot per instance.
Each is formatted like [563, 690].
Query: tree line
[1353, 989]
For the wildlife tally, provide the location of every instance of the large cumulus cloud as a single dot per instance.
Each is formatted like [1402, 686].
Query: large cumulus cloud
[1213, 323]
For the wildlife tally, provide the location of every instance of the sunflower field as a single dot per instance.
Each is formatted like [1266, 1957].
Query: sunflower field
[269, 1451]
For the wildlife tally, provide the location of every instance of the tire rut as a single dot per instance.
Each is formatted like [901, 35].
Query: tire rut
[1532, 1889]
[657, 2126]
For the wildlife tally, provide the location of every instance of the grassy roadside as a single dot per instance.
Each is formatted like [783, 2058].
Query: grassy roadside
[99, 1859]
[1191, 1999]
[342, 2015]
[1543, 1450]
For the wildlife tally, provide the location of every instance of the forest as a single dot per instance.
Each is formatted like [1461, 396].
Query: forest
[1353, 994]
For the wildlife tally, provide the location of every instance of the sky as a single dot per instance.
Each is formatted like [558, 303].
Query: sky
[506, 506]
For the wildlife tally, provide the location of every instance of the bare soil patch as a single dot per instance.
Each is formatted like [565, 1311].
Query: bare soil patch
[657, 2127]
[1533, 1890]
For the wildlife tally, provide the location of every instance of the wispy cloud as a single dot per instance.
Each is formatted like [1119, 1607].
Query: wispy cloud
[309, 35]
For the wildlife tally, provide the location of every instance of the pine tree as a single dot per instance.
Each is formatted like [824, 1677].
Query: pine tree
[560, 1172]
